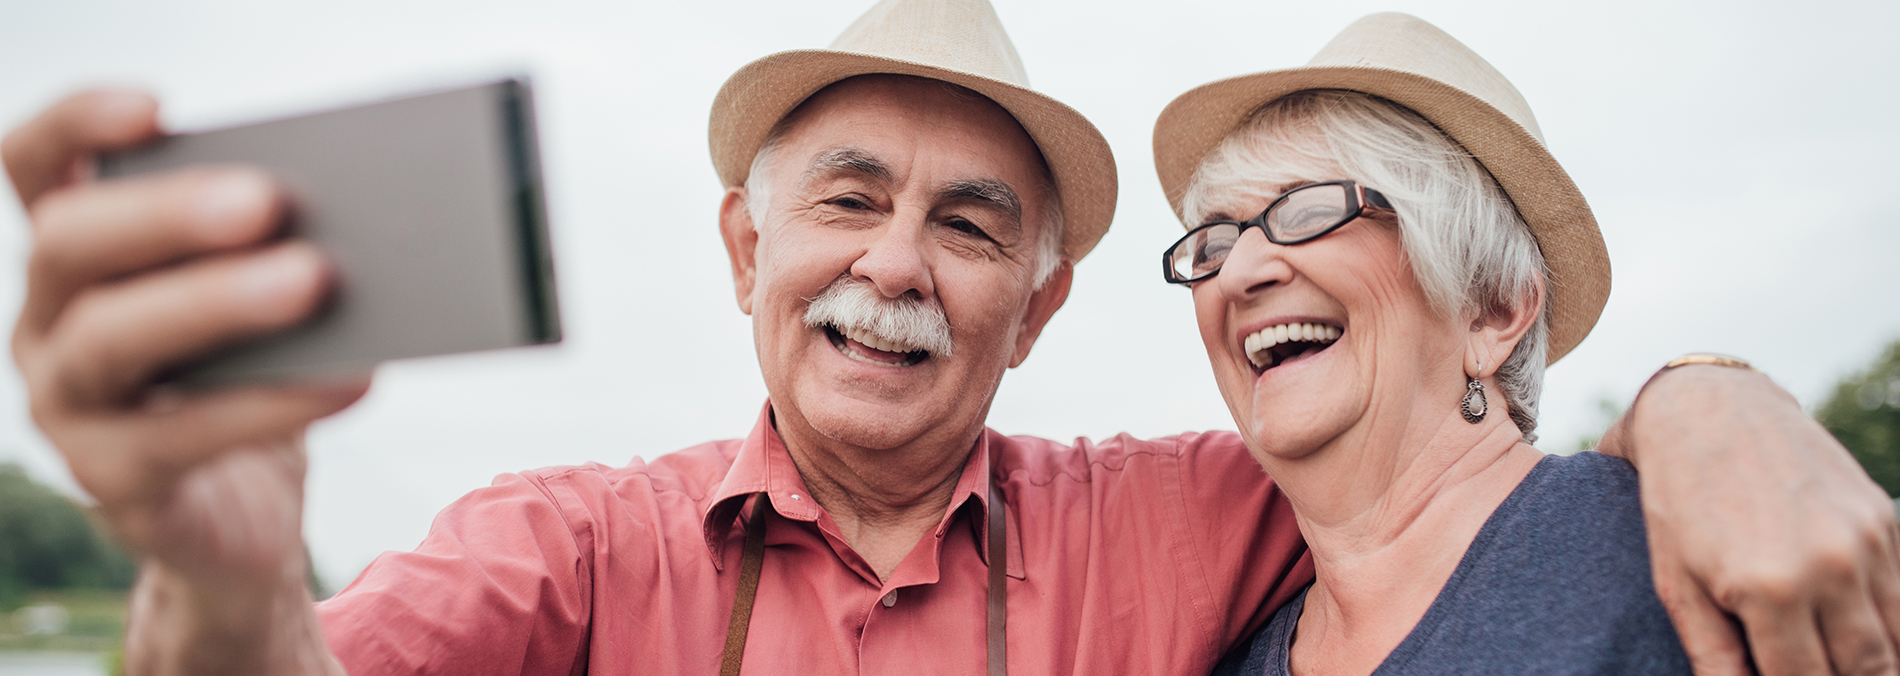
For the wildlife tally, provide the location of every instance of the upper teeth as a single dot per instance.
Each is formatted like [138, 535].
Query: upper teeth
[872, 341]
[1258, 343]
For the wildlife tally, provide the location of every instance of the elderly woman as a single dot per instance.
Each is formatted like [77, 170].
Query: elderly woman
[1383, 260]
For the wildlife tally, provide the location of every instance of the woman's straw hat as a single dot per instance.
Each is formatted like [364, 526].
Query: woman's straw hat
[957, 41]
[1403, 59]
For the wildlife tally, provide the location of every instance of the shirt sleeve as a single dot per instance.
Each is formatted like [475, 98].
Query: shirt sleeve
[499, 586]
[1247, 540]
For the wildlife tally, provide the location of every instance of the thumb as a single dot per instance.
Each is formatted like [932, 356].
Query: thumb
[1712, 639]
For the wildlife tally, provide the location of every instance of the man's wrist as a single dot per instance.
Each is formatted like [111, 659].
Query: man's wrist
[1697, 386]
[1674, 400]
[192, 627]
[1695, 375]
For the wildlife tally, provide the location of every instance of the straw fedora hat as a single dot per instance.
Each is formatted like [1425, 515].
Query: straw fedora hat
[957, 41]
[1403, 59]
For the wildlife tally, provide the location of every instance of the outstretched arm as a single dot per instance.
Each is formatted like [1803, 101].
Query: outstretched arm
[1768, 541]
[128, 278]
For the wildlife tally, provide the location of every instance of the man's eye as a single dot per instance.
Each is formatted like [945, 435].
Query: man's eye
[849, 202]
[965, 227]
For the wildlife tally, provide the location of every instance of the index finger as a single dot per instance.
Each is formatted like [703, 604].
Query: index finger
[53, 149]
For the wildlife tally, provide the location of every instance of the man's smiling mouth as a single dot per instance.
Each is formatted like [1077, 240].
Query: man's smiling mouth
[1276, 345]
[868, 348]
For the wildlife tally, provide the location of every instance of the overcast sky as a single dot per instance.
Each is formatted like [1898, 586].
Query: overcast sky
[1740, 156]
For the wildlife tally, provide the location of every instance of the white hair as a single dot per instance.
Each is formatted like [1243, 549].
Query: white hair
[907, 322]
[1468, 247]
[1049, 255]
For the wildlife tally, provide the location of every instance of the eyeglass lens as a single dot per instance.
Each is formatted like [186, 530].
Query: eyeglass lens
[1308, 212]
[1203, 251]
[1300, 215]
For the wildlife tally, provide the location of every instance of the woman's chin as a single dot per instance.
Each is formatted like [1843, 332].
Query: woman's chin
[1297, 406]
[1289, 437]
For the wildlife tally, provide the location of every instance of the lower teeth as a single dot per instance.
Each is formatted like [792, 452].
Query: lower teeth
[844, 347]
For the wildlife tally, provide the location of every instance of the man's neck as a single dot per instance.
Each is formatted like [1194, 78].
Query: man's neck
[884, 501]
[1388, 527]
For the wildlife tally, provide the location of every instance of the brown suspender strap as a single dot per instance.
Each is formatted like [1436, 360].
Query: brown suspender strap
[754, 560]
[749, 567]
[998, 593]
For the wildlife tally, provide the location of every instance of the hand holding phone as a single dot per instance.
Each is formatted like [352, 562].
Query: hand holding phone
[430, 209]
[125, 279]
[404, 228]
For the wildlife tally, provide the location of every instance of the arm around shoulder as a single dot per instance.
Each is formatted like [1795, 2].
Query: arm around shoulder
[1758, 517]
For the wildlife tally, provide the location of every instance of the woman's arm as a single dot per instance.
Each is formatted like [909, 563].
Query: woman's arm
[1767, 539]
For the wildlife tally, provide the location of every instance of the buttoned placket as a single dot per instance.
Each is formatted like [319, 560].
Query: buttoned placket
[796, 506]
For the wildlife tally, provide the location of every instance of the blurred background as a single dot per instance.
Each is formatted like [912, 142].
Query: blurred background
[1739, 156]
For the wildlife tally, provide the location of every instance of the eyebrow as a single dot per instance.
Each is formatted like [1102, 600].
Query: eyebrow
[852, 159]
[1280, 190]
[987, 190]
[848, 159]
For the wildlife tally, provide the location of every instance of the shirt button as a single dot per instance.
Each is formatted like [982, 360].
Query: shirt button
[890, 599]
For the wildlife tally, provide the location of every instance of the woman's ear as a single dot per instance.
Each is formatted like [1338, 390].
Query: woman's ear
[742, 244]
[1496, 332]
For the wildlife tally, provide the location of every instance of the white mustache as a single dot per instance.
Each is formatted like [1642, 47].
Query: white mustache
[849, 303]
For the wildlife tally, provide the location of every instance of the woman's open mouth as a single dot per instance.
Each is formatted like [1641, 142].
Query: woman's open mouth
[1276, 345]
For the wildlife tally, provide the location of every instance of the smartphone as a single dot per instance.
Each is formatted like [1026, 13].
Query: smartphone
[431, 209]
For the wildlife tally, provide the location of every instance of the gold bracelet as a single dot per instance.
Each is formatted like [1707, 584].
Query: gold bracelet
[1692, 358]
[1709, 358]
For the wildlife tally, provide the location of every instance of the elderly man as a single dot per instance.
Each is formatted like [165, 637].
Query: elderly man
[902, 215]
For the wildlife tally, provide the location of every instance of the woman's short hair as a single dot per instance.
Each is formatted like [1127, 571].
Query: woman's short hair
[1468, 247]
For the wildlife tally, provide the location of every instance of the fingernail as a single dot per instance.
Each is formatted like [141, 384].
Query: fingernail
[232, 203]
[278, 277]
[123, 107]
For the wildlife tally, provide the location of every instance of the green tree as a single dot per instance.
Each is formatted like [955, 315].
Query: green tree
[1864, 414]
[48, 542]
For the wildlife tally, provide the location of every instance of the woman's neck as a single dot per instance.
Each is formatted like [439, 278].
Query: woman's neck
[1388, 514]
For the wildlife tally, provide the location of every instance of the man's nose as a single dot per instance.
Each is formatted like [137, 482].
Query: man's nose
[896, 258]
[1253, 265]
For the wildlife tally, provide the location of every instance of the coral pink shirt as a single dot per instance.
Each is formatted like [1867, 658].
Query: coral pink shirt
[1125, 557]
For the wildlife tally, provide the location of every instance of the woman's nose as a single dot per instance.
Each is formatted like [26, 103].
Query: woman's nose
[1252, 266]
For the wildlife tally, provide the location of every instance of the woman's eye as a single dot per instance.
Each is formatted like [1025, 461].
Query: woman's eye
[1212, 252]
[1311, 217]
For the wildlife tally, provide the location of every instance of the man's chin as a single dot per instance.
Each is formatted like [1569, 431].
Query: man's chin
[872, 425]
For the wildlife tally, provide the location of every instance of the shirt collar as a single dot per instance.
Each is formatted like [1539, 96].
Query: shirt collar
[764, 466]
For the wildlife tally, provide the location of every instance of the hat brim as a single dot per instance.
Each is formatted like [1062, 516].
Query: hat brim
[756, 97]
[1579, 285]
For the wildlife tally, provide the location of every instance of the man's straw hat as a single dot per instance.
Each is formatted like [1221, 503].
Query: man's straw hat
[1403, 59]
[957, 41]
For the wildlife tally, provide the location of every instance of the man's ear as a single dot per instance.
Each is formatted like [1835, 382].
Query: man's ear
[1496, 332]
[1043, 304]
[742, 243]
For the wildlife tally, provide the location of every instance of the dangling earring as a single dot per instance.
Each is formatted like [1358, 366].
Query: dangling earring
[1474, 405]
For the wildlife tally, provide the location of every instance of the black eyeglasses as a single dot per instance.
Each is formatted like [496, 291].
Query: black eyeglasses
[1303, 214]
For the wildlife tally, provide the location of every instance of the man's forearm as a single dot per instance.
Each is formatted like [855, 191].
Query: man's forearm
[1756, 514]
[179, 628]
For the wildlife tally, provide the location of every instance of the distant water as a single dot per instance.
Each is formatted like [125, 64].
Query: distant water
[52, 664]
